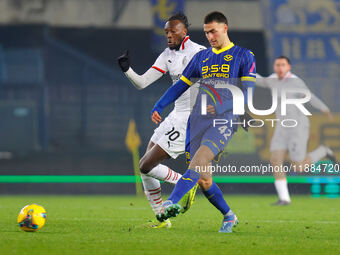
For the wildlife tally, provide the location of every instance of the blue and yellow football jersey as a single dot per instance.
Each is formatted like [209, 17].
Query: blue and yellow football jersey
[230, 65]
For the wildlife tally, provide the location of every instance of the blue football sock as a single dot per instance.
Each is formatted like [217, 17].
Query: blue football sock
[186, 183]
[215, 196]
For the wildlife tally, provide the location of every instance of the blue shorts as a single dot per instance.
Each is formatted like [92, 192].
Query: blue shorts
[201, 130]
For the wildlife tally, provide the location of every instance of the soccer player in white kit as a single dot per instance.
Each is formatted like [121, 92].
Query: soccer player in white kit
[291, 139]
[168, 140]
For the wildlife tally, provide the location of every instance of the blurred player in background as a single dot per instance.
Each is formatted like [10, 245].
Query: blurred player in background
[168, 140]
[223, 63]
[291, 139]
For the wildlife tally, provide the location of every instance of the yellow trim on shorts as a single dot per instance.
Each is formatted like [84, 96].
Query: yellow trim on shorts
[212, 144]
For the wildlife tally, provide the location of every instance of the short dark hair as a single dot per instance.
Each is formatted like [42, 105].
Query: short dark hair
[283, 57]
[181, 17]
[215, 16]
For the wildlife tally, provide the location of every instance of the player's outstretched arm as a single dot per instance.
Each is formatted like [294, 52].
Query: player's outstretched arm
[142, 81]
[124, 61]
[261, 81]
[315, 101]
[318, 104]
[170, 96]
[156, 118]
[139, 81]
[329, 114]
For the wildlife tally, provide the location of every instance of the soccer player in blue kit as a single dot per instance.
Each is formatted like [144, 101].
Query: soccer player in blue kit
[222, 63]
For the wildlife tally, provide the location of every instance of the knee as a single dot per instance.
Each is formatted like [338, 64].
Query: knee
[275, 161]
[144, 166]
[296, 163]
[299, 165]
[205, 183]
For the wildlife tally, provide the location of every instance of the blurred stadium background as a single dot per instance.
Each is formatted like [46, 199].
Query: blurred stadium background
[65, 106]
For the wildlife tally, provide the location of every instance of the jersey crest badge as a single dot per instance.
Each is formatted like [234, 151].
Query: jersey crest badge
[228, 57]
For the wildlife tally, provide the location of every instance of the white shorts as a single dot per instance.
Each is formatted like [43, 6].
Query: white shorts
[293, 139]
[171, 133]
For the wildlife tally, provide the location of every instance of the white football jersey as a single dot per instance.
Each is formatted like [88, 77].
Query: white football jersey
[290, 81]
[174, 62]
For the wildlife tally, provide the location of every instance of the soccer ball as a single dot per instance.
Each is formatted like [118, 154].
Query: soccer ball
[32, 217]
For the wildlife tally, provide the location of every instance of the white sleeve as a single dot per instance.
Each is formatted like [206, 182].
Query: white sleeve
[261, 81]
[154, 73]
[201, 47]
[161, 63]
[314, 101]
[318, 104]
[142, 81]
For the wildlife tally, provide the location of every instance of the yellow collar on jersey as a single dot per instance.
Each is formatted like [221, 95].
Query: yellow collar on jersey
[229, 46]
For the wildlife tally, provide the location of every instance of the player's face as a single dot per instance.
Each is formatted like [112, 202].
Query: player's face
[281, 67]
[216, 34]
[175, 32]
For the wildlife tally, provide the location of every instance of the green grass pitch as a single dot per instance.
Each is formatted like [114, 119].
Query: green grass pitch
[114, 225]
